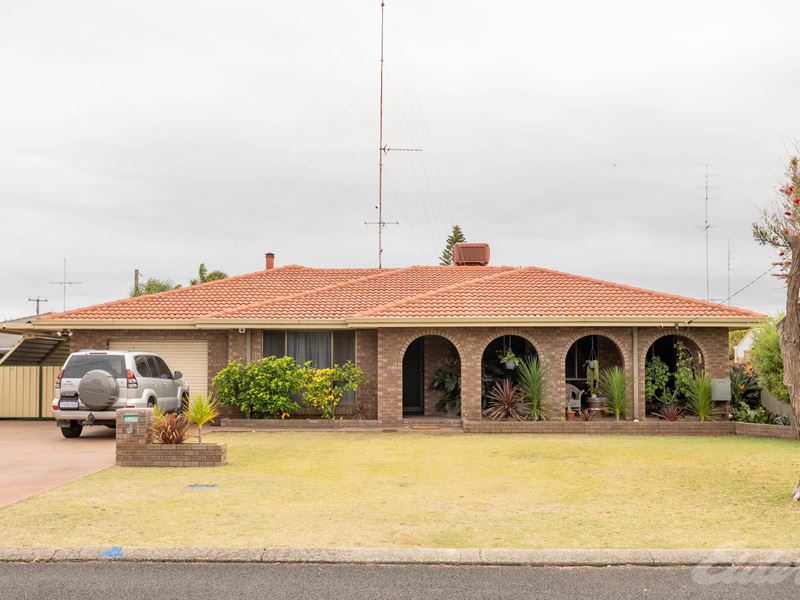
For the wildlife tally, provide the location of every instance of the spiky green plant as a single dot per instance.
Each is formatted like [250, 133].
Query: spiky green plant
[158, 414]
[701, 402]
[531, 378]
[612, 384]
[202, 409]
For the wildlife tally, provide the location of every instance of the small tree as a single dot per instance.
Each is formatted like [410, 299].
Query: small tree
[201, 410]
[455, 237]
[765, 354]
[779, 228]
[323, 388]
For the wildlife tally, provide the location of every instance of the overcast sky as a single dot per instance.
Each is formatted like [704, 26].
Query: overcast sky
[571, 135]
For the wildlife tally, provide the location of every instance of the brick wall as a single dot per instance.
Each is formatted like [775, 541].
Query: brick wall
[367, 361]
[135, 448]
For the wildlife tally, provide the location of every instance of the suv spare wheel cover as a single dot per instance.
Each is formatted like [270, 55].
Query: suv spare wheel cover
[98, 389]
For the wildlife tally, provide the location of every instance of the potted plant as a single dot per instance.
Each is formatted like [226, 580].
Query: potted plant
[570, 414]
[593, 376]
[509, 359]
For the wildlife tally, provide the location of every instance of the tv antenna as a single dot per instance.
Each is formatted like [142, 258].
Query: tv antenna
[706, 227]
[383, 150]
[64, 283]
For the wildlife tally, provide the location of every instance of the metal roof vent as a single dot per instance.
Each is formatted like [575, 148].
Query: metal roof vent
[466, 254]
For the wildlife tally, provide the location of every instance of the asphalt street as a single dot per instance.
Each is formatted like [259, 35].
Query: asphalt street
[199, 581]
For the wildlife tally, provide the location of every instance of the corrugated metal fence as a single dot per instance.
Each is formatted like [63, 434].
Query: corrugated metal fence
[773, 405]
[26, 392]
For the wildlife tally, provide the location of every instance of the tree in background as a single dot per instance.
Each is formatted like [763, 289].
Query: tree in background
[153, 286]
[455, 237]
[779, 228]
[765, 354]
[203, 275]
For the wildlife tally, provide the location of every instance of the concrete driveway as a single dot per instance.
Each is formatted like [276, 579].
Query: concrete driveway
[36, 457]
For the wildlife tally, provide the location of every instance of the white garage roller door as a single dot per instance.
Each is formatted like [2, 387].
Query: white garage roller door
[188, 357]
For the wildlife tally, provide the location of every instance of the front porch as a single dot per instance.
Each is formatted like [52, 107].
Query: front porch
[447, 372]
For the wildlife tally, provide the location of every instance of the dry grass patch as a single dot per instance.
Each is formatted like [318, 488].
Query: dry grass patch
[345, 489]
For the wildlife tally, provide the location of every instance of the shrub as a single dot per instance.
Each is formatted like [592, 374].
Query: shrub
[202, 409]
[587, 415]
[767, 358]
[531, 378]
[701, 403]
[684, 370]
[230, 386]
[266, 387]
[612, 382]
[171, 429]
[323, 388]
[505, 402]
[656, 378]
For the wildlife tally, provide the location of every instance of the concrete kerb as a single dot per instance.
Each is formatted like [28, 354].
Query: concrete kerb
[414, 556]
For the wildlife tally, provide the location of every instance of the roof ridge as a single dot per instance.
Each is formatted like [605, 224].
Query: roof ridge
[131, 299]
[395, 303]
[326, 288]
[707, 303]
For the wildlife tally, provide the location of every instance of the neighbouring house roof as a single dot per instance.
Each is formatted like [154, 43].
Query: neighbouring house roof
[296, 296]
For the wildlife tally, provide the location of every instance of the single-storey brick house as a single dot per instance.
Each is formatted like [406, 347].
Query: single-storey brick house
[401, 325]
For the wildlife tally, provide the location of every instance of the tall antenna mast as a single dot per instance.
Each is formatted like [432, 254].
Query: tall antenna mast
[64, 283]
[729, 272]
[382, 149]
[706, 227]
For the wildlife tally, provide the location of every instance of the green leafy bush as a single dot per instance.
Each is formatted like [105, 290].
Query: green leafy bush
[323, 388]
[263, 388]
[531, 380]
[612, 383]
[767, 359]
[684, 370]
[740, 411]
[700, 398]
[744, 385]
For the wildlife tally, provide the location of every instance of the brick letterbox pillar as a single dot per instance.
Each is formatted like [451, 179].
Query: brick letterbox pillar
[133, 433]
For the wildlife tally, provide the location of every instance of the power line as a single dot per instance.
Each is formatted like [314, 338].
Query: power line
[38, 300]
[737, 292]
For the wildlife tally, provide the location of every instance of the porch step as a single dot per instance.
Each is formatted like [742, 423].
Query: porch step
[432, 423]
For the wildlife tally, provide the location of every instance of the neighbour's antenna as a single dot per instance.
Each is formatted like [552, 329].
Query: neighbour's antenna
[64, 283]
[729, 271]
[706, 227]
[382, 149]
[38, 301]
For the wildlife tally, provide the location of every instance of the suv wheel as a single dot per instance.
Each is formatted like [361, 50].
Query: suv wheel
[74, 430]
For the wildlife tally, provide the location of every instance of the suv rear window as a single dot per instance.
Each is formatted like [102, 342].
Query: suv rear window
[77, 366]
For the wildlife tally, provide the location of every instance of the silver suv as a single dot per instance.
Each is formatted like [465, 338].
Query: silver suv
[93, 384]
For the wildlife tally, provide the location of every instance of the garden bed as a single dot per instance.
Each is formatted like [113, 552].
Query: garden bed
[299, 423]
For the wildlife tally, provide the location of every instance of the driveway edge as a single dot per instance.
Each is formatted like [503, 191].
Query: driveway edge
[412, 556]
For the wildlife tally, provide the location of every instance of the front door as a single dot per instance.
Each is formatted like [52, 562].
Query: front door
[414, 378]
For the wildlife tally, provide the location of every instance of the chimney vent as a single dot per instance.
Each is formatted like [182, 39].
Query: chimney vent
[270, 260]
[466, 254]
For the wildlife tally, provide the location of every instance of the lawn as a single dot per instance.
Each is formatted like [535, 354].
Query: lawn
[347, 489]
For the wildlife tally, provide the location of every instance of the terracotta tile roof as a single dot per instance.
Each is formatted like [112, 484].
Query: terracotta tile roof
[198, 301]
[295, 293]
[537, 292]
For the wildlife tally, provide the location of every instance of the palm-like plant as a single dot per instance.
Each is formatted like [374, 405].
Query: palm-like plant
[505, 403]
[612, 383]
[204, 275]
[531, 381]
[701, 402]
[202, 409]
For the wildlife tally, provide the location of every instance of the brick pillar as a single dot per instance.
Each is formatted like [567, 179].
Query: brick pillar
[471, 382]
[133, 435]
[390, 379]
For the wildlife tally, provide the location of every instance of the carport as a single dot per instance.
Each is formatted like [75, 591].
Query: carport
[27, 375]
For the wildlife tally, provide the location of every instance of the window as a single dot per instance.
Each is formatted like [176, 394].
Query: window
[143, 366]
[162, 368]
[314, 346]
[322, 348]
[274, 343]
[80, 364]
